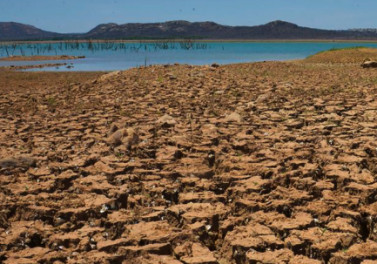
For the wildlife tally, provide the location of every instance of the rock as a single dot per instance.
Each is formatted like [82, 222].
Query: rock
[171, 76]
[297, 124]
[250, 105]
[369, 64]
[20, 162]
[113, 128]
[263, 98]
[116, 138]
[108, 76]
[233, 117]
[167, 121]
[132, 138]
[128, 137]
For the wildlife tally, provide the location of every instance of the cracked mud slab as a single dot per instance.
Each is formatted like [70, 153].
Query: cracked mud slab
[250, 163]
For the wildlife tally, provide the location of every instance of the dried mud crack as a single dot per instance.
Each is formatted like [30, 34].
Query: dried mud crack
[250, 163]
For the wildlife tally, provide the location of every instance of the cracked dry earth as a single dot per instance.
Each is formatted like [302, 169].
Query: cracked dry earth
[251, 163]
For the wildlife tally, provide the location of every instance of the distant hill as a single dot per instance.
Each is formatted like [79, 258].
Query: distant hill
[183, 29]
[211, 30]
[18, 31]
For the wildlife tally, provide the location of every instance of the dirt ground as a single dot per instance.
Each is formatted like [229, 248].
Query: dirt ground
[270, 162]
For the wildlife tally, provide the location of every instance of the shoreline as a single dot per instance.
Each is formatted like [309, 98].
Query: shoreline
[359, 53]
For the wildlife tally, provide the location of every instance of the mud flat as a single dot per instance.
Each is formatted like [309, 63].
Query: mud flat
[36, 66]
[40, 58]
[269, 162]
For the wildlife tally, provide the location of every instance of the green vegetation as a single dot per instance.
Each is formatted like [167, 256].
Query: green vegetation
[356, 54]
[349, 48]
[338, 49]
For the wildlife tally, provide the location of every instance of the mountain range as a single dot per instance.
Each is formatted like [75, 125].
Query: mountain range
[183, 29]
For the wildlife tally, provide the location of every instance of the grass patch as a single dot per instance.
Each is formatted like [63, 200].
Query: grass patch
[336, 49]
[356, 54]
[349, 48]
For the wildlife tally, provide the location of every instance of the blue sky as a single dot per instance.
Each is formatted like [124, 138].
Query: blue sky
[82, 15]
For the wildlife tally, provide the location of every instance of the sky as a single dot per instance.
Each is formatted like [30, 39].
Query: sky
[78, 16]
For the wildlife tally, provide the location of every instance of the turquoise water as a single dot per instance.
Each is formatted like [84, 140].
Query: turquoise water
[118, 56]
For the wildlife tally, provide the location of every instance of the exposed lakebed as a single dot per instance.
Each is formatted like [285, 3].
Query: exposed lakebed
[247, 163]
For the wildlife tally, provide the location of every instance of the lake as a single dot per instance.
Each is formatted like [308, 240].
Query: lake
[108, 56]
